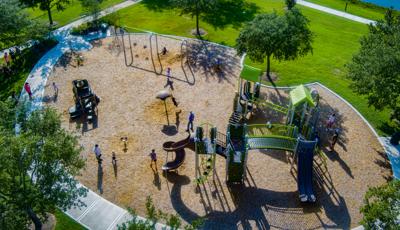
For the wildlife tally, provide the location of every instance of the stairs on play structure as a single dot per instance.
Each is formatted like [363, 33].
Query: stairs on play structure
[236, 118]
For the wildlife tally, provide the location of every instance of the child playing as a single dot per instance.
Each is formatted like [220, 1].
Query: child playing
[153, 157]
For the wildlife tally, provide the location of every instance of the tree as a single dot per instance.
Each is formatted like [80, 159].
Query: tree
[92, 7]
[16, 26]
[37, 167]
[290, 4]
[351, 1]
[194, 8]
[284, 37]
[381, 207]
[47, 5]
[375, 69]
[153, 216]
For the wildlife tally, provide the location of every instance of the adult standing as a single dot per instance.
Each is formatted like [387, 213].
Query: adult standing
[169, 81]
[335, 138]
[153, 158]
[55, 89]
[331, 121]
[190, 122]
[28, 90]
[97, 152]
[7, 58]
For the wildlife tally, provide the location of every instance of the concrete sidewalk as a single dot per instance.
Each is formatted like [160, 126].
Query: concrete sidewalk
[78, 22]
[335, 12]
[103, 13]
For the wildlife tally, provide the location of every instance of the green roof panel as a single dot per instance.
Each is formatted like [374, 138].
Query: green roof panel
[250, 73]
[301, 94]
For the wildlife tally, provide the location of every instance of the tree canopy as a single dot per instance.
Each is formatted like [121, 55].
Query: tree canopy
[194, 8]
[153, 216]
[37, 167]
[290, 4]
[92, 7]
[284, 37]
[375, 69]
[16, 26]
[47, 5]
[381, 208]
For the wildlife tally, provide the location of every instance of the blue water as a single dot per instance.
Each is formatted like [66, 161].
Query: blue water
[385, 3]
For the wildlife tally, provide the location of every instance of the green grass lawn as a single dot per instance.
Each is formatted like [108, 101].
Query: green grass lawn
[21, 68]
[360, 9]
[72, 12]
[65, 222]
[336, 40]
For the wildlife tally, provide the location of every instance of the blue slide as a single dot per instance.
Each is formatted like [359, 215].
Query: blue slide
[305, 154]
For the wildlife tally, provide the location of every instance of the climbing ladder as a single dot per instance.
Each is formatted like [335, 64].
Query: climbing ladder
[235, 118]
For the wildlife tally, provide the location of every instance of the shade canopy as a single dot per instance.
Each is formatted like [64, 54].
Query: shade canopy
[250, 73]
[301, 94]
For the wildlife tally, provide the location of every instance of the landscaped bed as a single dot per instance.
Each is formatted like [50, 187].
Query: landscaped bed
[129, 108]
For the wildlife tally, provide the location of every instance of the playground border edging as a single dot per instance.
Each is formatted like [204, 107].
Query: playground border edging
[111, 225]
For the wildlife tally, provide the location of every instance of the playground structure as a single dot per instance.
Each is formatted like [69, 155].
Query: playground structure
[205, 150]
[85, 101]
[240, 138]
[301, 119]
[297, 136]
[302, 111]
[179, 149]
[129, 54]
[128, 47]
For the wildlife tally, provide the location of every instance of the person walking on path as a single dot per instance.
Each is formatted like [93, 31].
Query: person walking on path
[97, 152]
[331, 121]
[153, 158]
[113, 158]
[190, 122]
[28, 90]
[169, 81]
[55, 89]
[7, 59]
[335, 138]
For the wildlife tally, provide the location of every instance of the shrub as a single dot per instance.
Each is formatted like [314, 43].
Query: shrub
[89, 27]
[381, 208]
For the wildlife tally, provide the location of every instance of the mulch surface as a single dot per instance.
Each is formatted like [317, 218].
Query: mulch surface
[129, 108]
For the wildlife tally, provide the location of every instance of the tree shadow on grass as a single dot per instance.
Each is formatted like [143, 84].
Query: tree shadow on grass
[230, 12]
[157, 5]
[387, 127]
[220, 15]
